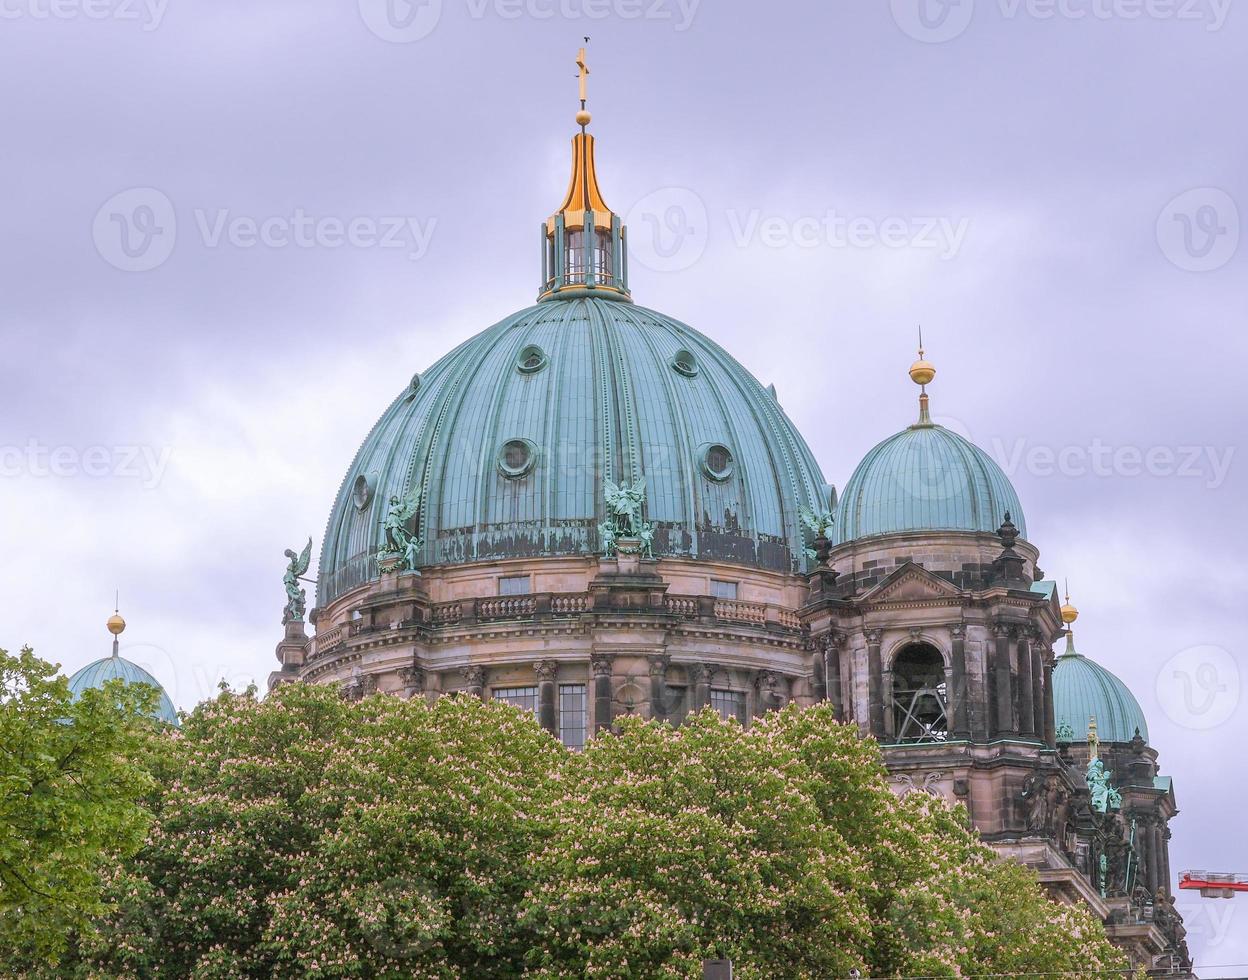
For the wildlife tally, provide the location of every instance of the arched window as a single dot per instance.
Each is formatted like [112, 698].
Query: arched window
[920, 700]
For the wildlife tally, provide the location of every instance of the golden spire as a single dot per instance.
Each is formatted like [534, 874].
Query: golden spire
[582, 66]
[583, 241]
[922, 372]
[116, 626]
[1069, 615]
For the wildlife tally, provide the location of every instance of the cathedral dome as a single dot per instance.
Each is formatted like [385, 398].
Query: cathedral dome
[100, 672]
[1083, 690]
[926, 478]
[508, 441]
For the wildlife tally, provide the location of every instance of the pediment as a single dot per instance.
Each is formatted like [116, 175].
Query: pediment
[911, 583]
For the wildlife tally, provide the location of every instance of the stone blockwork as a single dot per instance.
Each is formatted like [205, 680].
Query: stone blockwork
[934, 644]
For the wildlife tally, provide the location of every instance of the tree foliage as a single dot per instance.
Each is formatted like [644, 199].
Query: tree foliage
[71, 776]
[307, 836]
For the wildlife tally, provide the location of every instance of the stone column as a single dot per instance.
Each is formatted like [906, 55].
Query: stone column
[659, 663]
[1155, 866]
[1041, 728]
[832, 672]
[959, 689]
[700, 684]
[768, 693]
[1003, 721]
[875, 681]
[818, 671]
[1026, 699]
[547, 714]
[1050, 718]
[601, 665]
[475, 676]
[413, 679]
[1166, 880]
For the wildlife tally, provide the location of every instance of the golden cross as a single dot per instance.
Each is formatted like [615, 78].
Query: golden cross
[583, 71]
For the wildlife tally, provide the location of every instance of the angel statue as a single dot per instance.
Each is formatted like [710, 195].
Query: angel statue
[606, 537]
[820, 524]
[646, 536]
[624, 503]
[1104, 796]
[400, 542]
[296, 597]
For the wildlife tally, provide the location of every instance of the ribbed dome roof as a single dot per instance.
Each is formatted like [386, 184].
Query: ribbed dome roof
[97, 674]
[1083, 689]
[926, 478]
[511, 437]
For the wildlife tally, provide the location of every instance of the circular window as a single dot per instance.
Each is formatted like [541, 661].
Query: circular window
[685, 363]
[516, 458]
[413, 387]
[531, 359]
[717, 462]
[362, 492]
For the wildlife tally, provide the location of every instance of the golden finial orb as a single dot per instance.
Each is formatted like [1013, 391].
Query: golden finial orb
[116, 625]
[1069, 612]
[582, 117]
[922, 371]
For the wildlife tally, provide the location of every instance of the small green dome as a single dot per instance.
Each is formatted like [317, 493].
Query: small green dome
[926, 478]
[510, 438]
[1083, 689]
[100, 672]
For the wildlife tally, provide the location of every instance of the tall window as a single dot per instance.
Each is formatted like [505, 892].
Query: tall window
[522, 697]
[572, 718]
[676, 703]
[920, 700]
[723, 590]
[514, 585]
[729, 704]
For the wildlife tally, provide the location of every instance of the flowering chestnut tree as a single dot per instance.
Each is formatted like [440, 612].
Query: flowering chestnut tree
[308, 836]
[71, 775]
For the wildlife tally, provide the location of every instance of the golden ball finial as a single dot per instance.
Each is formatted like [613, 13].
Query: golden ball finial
[1069, 612]
[582, 117]
[922, 371]
[116, 625]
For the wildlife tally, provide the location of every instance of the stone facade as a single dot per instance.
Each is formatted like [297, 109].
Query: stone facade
[935, 644]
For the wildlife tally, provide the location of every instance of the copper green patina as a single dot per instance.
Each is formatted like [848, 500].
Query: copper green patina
[510, 441]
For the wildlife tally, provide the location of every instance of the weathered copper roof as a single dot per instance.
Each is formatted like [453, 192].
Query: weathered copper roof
[582, 391]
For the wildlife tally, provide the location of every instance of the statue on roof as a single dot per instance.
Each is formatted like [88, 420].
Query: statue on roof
[296, 596]
[401, 540]
[624, 503]
[1104, 796]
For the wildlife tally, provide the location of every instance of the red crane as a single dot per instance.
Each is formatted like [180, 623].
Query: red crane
[1214, 884]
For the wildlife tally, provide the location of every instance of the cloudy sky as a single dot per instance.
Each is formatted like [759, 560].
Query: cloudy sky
[233, 230]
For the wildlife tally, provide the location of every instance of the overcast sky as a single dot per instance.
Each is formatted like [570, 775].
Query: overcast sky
[195, 347]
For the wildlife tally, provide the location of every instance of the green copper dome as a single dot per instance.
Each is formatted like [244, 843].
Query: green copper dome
[510, 439]
[100, 672]
[926, 478]
[1083, 689]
